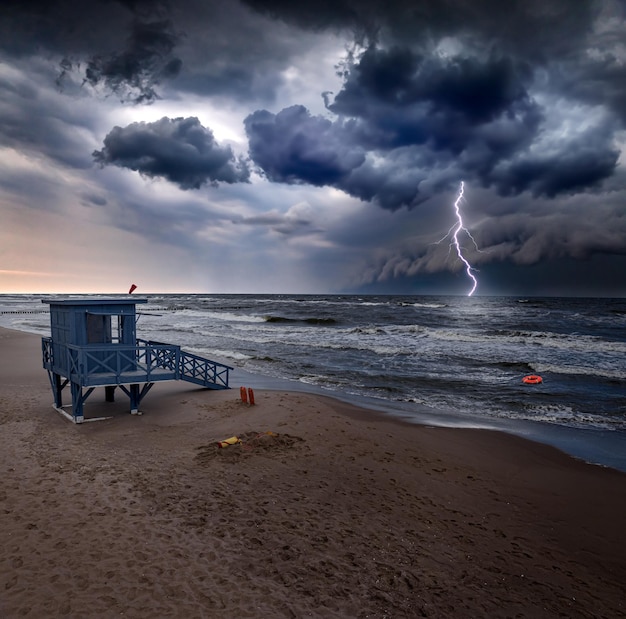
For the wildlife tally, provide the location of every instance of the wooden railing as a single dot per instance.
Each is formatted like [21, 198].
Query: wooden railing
[199, 370]
[122, 363]
[148, 361]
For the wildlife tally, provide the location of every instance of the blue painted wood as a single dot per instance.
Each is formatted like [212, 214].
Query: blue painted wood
[201, 371]
[93, 343]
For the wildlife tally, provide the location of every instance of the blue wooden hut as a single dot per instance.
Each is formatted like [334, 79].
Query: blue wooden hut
[93, 344]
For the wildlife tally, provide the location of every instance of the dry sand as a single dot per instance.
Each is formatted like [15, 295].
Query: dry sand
[341, 513]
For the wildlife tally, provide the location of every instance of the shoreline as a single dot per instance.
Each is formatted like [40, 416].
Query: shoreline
[601, 446]
[341, 512]
[584, 444]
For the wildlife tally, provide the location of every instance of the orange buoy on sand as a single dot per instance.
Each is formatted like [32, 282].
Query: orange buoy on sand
[251, 396]
[244, 394]
[532, 379]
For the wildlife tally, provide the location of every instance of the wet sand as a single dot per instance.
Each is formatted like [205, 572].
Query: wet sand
[338, 512]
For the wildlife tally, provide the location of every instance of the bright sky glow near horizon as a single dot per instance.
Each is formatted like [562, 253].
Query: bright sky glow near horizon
[270, 146]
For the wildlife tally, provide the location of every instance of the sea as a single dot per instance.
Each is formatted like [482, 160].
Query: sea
[433, 360]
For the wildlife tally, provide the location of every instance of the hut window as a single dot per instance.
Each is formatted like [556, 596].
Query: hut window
[98, 329]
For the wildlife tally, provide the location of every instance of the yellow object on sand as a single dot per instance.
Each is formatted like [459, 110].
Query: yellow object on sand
[233, 440]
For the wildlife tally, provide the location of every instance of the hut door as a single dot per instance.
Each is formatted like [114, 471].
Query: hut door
[98, 329]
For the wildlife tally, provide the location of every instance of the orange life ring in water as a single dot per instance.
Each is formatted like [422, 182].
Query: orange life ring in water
[532, 379]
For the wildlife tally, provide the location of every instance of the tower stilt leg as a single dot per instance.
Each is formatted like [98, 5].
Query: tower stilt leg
[134, 399]
[56, 390]
[77, 403]
[109, 393]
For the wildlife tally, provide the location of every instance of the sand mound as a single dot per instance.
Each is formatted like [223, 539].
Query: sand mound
[267, 444]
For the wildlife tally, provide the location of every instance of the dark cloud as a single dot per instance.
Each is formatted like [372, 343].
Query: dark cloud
[580, 165]
[572, 230]
[39, 123]
[599, 80]
[146, 61]
[464, 88]
[518, 232]
[180, 150]
[560, 277]
[537, 29]
[134, 49]
[408, 125]
[525, 100]
[295, 147]
[131, 47]
[401, 98]
[127, 47]
[229, 50]
[360, 17]
[445, 90]
[476, 89]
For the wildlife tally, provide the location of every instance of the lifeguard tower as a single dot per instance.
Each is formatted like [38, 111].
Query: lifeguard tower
[93, 344]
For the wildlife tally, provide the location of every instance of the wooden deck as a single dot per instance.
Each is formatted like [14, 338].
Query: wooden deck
[128, 367]
[110, 379]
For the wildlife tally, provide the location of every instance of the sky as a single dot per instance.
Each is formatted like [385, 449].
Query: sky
[313, 147]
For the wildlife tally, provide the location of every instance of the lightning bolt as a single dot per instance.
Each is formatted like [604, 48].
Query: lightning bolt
[454, 233]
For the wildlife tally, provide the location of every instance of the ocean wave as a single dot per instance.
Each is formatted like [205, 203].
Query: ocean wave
[453, 335]
[308, 321]
[381, 349]
[233, 317]
[426, 305]
[265, 359]
[37, 328]
[579, 370]
[233, 354]
[566, 416]
[372, 303]
[370, 330]
[507, 367]
[560, 340]
[181, 317]
[219, 354]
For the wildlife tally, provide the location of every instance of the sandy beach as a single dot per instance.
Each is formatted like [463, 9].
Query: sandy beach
[323, 510]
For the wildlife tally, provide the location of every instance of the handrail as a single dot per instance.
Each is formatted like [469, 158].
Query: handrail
[200, 370]
[47, 352]
[196, 369]
[121, 360]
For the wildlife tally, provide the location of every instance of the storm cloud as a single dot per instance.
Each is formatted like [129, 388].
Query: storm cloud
[127, 48]
[407, 125]
[295, 147]
[179, 150]
[534, 29]
[293, 134]
[146, 61]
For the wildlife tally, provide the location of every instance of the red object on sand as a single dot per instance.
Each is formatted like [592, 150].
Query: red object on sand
[244, 394]
[251, 396]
